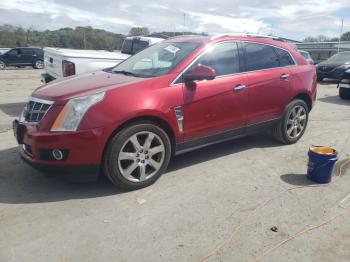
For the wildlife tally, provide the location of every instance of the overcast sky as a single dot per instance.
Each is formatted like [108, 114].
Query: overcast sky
[292, 19]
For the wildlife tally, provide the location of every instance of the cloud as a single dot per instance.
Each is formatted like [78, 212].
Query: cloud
[226, 24]
[293, 19]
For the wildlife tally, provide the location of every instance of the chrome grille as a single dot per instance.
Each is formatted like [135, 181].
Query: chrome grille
[326, 68]
[36, 109]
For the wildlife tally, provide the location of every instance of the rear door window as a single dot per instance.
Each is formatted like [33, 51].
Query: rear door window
[26, 51]
[260, 57]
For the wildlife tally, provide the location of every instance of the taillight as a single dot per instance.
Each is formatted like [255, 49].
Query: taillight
[68, 68]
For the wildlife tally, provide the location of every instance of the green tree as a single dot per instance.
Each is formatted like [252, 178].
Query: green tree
[80, 38]
[345, 36]
[136, 31]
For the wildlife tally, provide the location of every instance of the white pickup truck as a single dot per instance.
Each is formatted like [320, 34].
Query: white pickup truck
[61, 62]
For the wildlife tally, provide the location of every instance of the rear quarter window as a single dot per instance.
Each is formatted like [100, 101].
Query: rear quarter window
[284, 57]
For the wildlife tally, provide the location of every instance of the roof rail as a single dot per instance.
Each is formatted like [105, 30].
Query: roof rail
[277, 38]
[177, 36]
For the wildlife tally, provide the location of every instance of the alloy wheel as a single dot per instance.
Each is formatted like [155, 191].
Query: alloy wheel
[141, 156]
[2, 65]
[296, 122]
[39, 64]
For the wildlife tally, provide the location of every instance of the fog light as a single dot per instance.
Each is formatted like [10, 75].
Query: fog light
[57, 154]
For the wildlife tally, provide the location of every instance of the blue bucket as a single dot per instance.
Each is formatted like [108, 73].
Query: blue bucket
[321, 164]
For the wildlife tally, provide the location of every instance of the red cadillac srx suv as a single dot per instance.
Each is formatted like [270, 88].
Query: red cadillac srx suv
[181, 94]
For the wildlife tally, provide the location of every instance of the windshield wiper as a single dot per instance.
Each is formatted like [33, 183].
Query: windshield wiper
[127, 73]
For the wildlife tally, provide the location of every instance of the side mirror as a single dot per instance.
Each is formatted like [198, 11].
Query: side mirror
[200, 72]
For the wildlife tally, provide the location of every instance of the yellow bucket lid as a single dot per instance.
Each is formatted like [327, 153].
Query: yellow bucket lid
[323, 150]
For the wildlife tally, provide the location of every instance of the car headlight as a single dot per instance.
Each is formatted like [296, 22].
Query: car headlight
[73, 112]
[345, 66]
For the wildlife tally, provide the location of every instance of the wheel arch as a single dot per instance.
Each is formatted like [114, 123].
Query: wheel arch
[145, 118]
[306, 98]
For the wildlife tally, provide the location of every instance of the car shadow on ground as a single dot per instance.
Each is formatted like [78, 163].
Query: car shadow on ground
[222, 149]
[340, 169]
[335, 100]
[12, 109]
[328, 82]
[21, 184]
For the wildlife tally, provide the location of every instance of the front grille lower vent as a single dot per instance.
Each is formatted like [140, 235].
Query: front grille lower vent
[36, 109]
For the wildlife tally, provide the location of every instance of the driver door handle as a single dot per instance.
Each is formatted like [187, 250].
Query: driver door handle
[239, 87]
[284, 76]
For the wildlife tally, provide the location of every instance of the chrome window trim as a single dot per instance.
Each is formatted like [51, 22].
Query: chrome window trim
[38, 100]
[245, 72]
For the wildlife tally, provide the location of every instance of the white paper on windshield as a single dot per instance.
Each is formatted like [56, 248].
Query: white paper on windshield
[172, 49]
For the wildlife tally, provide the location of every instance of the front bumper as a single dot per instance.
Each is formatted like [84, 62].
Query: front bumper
[82, 150]
[345, 83]
[335, 73]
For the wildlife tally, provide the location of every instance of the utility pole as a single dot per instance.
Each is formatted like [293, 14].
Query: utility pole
[183, 28]
[341, 32]
[260, 27]
[84, 39]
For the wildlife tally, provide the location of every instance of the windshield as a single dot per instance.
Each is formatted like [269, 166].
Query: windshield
[156, 60]
[341, 57]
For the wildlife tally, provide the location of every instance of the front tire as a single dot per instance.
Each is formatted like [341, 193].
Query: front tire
[343, 93]
[39, 64]
[137, 156]
[2, 65]
[293, 123]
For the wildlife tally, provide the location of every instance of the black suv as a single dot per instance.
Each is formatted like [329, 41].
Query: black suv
[334, 67]
[22, 56]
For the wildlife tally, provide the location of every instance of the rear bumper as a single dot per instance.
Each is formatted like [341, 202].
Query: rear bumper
[45, 78]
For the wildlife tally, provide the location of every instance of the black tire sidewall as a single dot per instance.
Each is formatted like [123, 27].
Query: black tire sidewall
[291, 105]
[110, 164]
[2, 62]
[342, 94]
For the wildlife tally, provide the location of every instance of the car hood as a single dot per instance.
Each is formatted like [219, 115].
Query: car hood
[89, 83]
[331, 63]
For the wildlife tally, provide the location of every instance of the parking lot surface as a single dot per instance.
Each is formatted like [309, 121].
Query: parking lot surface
[190, 210]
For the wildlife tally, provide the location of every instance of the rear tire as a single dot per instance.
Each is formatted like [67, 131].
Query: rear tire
[320, 79]
[292, 125]
[38, 64]
[137, 156]
[2, 65]
[343, 94]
